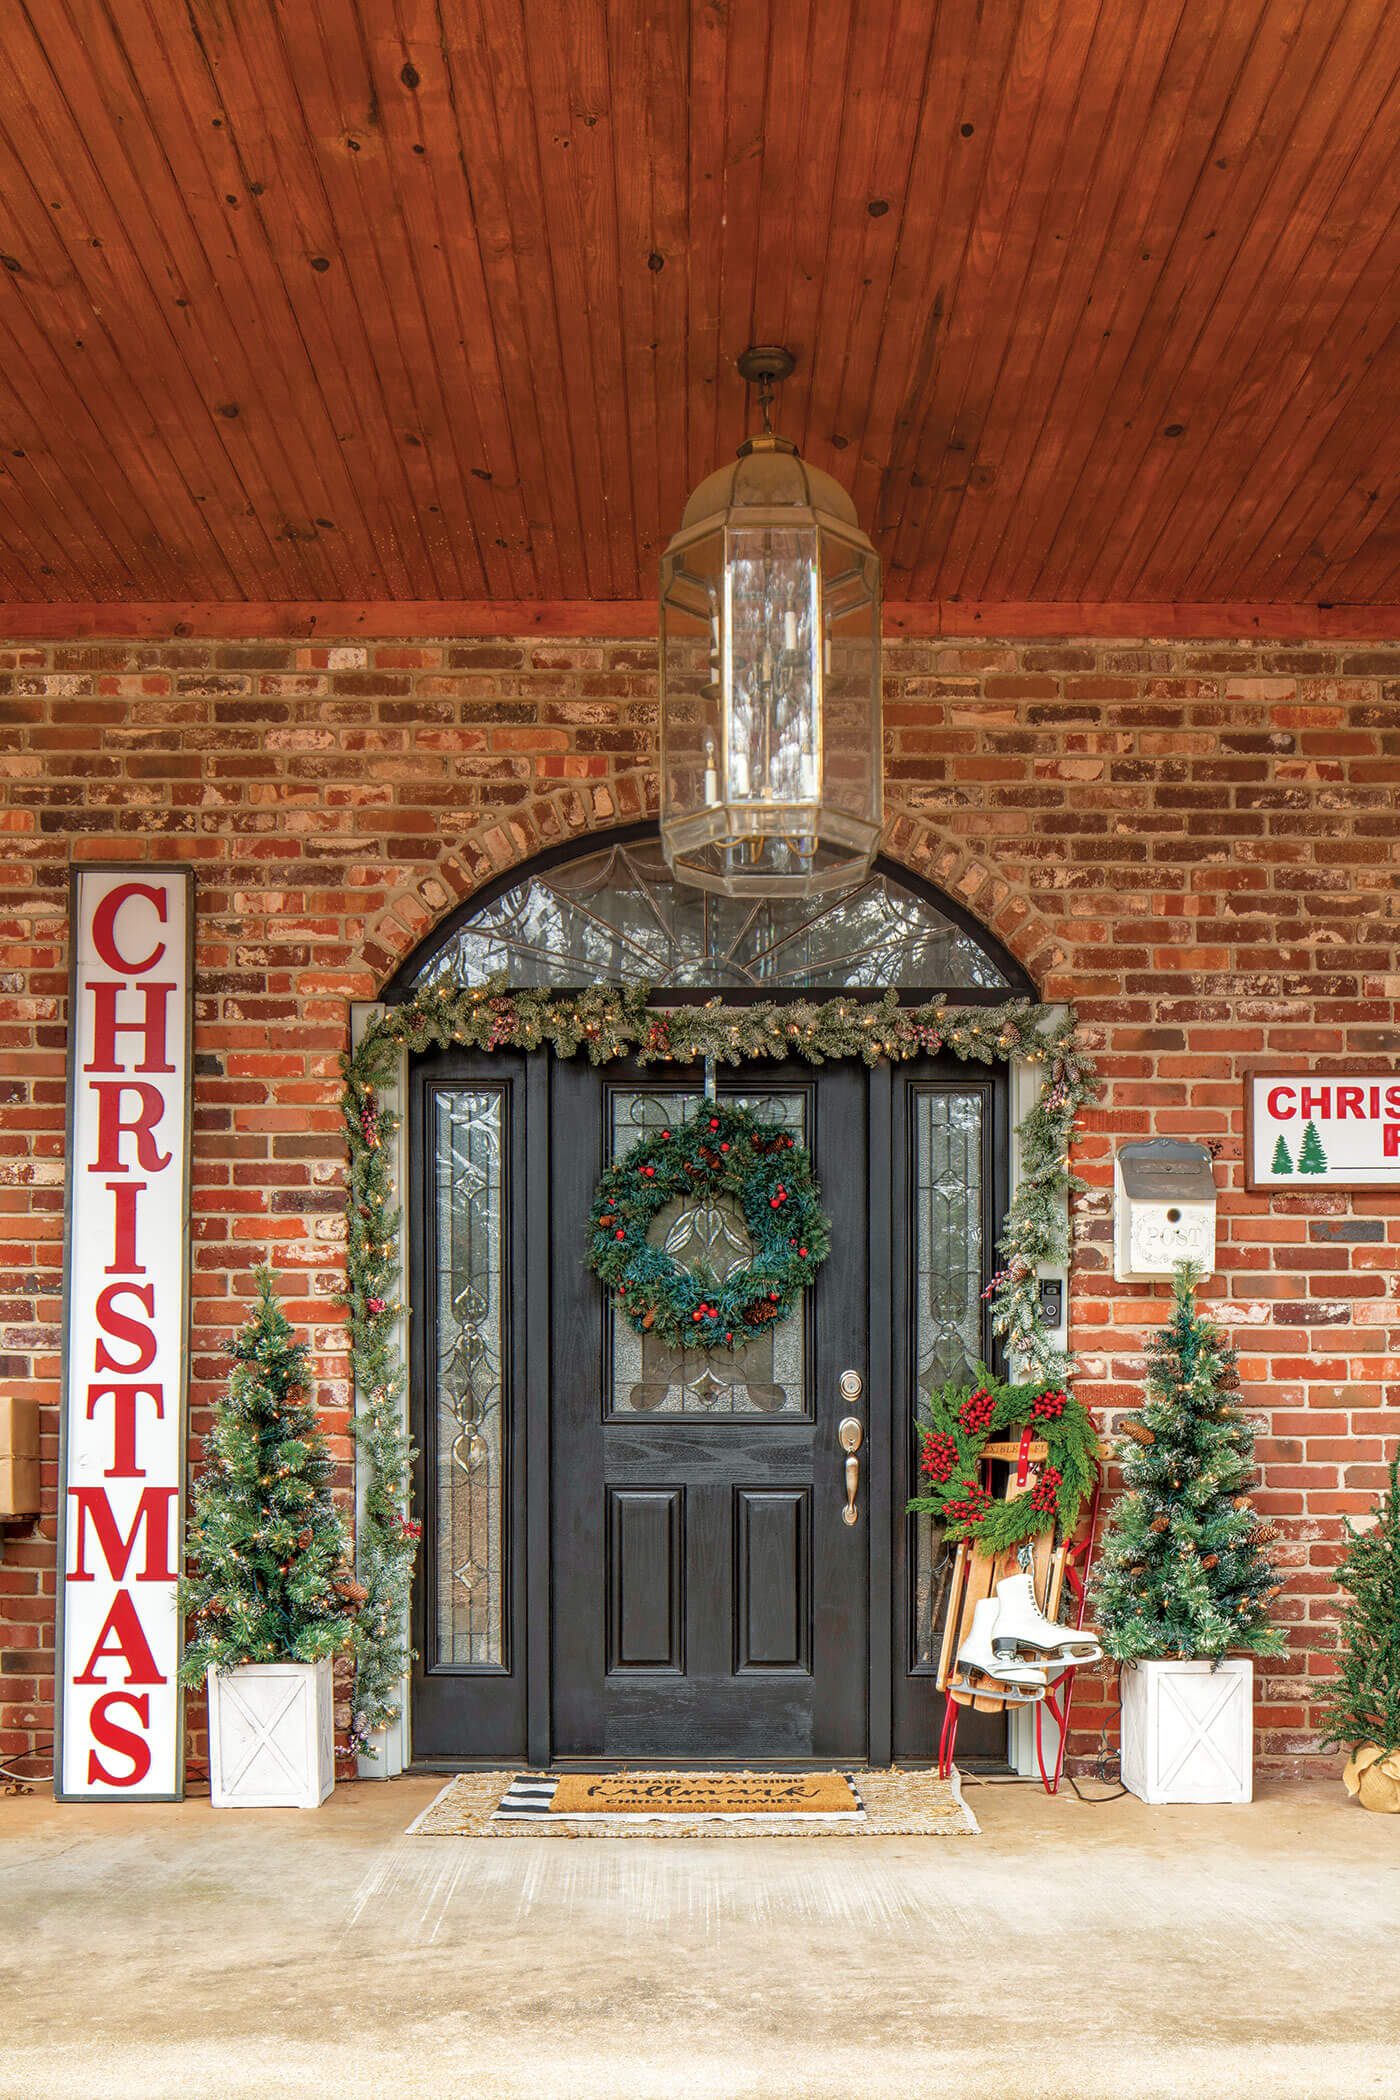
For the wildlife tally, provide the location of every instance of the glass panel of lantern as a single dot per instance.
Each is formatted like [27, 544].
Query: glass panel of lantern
[770, 682]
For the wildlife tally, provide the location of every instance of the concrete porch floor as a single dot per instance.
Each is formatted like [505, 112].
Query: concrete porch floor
[1107, 1951]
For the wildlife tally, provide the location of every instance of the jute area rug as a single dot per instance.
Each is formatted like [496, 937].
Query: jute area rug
[697, 1804]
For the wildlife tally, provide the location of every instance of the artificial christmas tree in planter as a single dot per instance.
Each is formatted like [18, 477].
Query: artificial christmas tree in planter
[269, 1597]
[1184, 1582]
[1362, 1702]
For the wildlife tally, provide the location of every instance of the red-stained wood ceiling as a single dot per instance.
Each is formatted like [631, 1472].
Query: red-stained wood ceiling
[1095, 302]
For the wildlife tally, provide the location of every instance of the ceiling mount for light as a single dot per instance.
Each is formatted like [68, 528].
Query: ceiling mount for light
[770, 673]
[765, 365]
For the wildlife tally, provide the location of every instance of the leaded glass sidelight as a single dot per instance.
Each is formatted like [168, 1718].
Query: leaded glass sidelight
[618, 916]
[947, 1283]
[470, 1344]
[648, 1377]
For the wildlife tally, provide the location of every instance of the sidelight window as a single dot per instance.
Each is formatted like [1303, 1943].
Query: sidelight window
[470, 1341]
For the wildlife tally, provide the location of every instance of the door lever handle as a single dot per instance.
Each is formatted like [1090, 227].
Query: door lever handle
[850, 1436]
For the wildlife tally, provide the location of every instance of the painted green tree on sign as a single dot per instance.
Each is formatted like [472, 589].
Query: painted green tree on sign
[1311, 1157]
[1282, 1162]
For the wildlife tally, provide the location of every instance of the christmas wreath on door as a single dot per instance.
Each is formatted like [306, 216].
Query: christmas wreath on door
[723, 1155]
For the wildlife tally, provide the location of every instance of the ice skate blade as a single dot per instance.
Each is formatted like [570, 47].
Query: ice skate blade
[1049, 1658]
[976, 1684]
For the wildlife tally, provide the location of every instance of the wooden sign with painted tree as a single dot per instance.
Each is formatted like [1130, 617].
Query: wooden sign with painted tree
[1361, 1704]
[1184, 1580]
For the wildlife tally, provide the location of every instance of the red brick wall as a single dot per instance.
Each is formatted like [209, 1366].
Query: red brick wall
[1196, 844]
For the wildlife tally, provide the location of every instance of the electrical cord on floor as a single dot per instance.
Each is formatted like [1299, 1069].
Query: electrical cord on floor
[17, 1780]
[1101, 1777]
[1095, 1800]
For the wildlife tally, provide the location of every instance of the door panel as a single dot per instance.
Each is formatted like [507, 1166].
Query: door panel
[771, 1634]
[773, 1579]
[646, 1579]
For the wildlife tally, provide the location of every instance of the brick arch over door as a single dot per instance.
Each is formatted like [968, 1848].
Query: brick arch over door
[963, 883]
[605, 909]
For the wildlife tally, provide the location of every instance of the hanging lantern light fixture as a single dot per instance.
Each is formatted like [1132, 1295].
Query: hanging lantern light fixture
[770, 675]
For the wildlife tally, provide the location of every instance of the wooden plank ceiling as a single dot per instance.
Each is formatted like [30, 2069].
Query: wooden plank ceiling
[353, 301]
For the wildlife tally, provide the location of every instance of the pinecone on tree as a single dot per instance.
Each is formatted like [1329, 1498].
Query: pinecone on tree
[1180, 1570]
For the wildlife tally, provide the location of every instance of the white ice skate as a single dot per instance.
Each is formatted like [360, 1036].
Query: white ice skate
[1023, 1633]
[981, 1672]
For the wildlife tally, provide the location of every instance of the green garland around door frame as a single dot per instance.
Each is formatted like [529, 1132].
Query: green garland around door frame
[606, 1023]
[722, 1151]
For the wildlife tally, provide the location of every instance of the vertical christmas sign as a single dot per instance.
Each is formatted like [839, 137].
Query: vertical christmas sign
[126, 1291]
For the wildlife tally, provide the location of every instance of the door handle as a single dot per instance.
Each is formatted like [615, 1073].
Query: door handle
[850, 1435]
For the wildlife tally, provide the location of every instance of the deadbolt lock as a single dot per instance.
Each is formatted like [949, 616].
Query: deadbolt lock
[852, 1385]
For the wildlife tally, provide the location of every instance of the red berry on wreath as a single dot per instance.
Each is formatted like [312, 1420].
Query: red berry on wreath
[619, 1234]
[695, 1316]
[803, 1252]
[976, 1411]
[1043, 1494]
[714, 1122]
[665, 1133]
[940, 1455]
[724, 1148]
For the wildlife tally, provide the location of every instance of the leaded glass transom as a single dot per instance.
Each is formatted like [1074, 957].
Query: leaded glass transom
[768, 1375]
[947, 1311]
[470, 1343]
[616, 916]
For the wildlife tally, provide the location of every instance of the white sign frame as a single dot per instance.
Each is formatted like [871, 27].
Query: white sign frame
[1352, 1132]
[121, 1521]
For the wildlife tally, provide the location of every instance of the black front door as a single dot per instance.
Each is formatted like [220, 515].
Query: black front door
[631, 1553]
[715, 1602]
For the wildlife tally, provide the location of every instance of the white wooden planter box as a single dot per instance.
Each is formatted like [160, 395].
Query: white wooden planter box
[271, 1735]
[1188, 1730]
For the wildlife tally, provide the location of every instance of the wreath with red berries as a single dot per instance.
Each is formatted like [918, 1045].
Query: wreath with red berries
[957, 1422]
[721, 1152]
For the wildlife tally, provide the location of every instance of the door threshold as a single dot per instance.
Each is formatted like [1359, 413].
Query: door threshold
[443, 1767]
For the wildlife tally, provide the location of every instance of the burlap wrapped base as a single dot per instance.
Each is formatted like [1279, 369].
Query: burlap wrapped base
[896, 1804]
[1373, 1775]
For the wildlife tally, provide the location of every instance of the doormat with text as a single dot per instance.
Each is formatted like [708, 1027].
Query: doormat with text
[694, 1794]
[697, 1804]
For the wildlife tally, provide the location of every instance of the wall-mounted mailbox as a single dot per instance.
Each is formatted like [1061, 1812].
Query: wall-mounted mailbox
[1163, 1208]
[19, 1458]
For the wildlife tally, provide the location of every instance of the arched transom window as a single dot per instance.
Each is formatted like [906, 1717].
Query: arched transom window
[612, 914]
